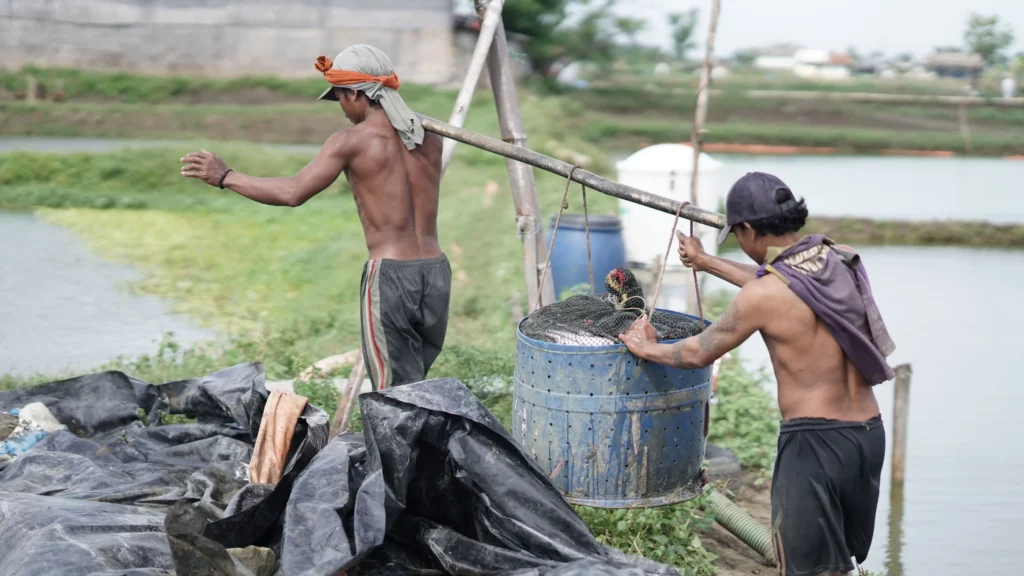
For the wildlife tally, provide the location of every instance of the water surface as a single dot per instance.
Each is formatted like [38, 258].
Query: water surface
[895, 188]
[66, 310]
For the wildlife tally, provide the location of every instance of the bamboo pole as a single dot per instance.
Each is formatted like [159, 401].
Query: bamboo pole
[476, 66]
[588, 179]
[524, 189]
[900, 412]
[700, 117]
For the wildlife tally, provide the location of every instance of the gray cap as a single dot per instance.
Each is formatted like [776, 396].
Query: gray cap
[752, 197]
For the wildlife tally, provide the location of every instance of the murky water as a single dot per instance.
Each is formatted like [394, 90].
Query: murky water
[955, 316]
[895, 188]
[63, 309]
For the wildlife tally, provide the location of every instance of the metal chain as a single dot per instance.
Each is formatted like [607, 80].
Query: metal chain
[554, 233]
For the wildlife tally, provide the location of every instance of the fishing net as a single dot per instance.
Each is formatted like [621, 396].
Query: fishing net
[585, 320]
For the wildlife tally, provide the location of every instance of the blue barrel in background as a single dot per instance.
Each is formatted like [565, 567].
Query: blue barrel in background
[569, 255]
[619, 431]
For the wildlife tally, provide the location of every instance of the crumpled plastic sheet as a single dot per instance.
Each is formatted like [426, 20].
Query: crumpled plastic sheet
[433, 486]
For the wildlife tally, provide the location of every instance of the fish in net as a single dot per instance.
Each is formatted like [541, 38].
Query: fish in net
[585, 320]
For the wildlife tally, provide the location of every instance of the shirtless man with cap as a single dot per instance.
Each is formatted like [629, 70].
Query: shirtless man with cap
[811, 301]
[394, 170]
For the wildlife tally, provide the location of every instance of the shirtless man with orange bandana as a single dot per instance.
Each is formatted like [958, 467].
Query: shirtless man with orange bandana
[394, 170]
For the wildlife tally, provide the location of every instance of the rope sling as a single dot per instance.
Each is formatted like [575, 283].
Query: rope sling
[590, 265]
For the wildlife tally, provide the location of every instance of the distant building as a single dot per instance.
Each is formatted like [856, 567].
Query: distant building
[821, 64]
[227, 37]
[803, 62]
[777, 57]
[955, 64]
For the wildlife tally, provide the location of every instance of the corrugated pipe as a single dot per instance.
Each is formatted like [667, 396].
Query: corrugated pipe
[742, 525]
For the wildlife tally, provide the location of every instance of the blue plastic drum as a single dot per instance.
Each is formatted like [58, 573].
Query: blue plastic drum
[617, 432]
[569, 255]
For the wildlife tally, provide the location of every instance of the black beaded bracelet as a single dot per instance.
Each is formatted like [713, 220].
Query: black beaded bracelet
[222, 177]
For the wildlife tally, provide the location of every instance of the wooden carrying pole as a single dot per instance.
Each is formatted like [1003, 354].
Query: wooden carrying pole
[900, 411]
[524, 189]
[592, 181]
[476, 66]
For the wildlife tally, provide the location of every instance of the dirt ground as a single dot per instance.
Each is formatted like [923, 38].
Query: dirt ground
[734, 557]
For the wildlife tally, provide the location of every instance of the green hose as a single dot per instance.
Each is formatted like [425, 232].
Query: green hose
[738, 522]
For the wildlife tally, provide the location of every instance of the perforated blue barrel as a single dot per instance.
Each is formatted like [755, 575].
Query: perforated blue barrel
[617, 432]
[569, 255]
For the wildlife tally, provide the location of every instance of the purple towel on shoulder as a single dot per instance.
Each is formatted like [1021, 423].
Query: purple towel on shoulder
[832, 281]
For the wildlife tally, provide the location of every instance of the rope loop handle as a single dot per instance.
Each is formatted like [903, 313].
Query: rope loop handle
[664, 266]
[554, 232]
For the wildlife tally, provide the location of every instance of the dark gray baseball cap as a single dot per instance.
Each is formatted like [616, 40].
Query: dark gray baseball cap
[752, 197]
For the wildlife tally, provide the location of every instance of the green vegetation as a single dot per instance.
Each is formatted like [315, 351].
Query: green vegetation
[623, 112]
[863, 232]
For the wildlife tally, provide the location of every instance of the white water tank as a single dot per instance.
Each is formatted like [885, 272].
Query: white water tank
[665, 169]
[1009, 86]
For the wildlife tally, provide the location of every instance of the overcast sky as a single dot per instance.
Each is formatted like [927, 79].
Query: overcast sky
[892, 26]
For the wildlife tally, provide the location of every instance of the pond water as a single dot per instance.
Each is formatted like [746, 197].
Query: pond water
[955, 316]
[895, 188]
[65, 310]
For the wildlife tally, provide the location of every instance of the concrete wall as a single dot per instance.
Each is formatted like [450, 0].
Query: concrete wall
[226, 37]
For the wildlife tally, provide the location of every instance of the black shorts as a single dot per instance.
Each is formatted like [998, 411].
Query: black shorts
[404, 313]
[825, 493]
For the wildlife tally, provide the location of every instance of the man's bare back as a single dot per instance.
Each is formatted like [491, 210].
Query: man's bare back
[396, 190]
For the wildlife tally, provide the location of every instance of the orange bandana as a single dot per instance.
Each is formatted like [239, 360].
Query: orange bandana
[346, 78]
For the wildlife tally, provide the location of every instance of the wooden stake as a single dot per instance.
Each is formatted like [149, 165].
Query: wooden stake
[524, 189]
[900, 412]
[476, 66]
[589, 179]
[348, 398]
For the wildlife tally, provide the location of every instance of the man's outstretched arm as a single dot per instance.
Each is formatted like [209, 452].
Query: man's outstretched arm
[740, 320]
[315, 177]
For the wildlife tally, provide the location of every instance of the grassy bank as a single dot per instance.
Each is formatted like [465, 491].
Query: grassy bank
[864, 232]
[622, 114]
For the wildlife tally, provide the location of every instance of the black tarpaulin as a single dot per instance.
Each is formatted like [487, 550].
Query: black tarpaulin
[433, 486]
